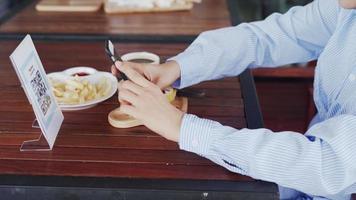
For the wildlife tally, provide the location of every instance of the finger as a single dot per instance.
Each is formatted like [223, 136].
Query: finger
[129, 110]
[136, 66]
[123, 102]
[128, 96]
[120, 64]
[129, 85]
[117, 64]
[119, 85]
[134, 76]
[113, 70]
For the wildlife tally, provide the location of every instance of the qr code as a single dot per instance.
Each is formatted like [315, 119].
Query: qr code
[41, 92]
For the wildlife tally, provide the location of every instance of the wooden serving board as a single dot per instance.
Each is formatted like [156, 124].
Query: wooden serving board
[118, 119]
[69, 5]
[114, 8]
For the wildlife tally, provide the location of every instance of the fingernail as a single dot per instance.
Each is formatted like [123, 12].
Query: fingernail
[113, 69]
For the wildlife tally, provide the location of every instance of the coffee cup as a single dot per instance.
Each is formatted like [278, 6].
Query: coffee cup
[141, 57]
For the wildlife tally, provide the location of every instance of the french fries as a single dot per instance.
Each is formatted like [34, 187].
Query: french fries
[79, 91]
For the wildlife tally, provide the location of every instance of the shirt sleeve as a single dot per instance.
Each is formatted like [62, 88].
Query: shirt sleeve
[320, 163]
[297, 36]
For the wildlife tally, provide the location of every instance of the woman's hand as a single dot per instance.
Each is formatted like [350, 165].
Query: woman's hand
[146, 102]
[163, 75]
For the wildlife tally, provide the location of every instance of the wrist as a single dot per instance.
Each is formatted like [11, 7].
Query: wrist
[174, 133]
[173, 69]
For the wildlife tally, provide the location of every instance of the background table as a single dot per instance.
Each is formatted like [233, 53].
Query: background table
[89, 153]
[210, 14]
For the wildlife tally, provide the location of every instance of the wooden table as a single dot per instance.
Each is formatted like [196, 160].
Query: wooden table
[210, 14]
[91, 154]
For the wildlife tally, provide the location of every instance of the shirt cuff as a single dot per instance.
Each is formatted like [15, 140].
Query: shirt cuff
[176, 84]
[196, 135]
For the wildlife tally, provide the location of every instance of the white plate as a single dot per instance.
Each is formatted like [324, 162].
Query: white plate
[93, 77]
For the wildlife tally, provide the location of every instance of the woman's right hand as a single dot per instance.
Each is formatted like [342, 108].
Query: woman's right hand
[163, 75]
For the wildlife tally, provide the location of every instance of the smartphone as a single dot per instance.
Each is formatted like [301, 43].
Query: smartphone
[110, 51]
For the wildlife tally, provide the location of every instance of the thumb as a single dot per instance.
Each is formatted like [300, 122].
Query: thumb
[135, 76]
[118, 64]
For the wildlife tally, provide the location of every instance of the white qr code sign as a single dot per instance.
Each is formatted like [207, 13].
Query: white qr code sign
[32, 75]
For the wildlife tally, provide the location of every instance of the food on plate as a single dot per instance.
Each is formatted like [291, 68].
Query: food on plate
[75, 90]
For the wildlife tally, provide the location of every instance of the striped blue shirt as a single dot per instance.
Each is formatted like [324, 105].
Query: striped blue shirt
[321, 163]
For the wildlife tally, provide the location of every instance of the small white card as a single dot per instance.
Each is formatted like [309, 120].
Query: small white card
[32, 75]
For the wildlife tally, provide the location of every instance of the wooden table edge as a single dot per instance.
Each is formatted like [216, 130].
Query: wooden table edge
[137, 183]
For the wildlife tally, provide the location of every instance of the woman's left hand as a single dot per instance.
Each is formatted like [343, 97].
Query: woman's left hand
[146, 102]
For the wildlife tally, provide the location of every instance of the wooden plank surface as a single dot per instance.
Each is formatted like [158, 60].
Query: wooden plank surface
[284, 103]
[284, 72]
[210, 14]
[87, 145]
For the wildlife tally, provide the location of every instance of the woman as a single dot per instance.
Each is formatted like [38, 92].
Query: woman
[320, 164]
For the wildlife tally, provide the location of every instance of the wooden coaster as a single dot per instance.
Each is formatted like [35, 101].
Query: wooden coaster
[118, 119]
[69, 5]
